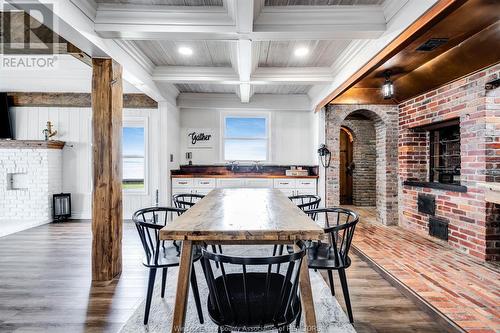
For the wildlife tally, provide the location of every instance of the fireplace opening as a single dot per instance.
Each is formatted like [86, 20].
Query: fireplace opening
[438, 227]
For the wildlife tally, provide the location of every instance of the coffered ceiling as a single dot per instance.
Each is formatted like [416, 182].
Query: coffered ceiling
[240, 47]
[244, 47]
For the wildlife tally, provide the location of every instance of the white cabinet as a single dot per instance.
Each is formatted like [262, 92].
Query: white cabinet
[244, 183]
[285, 183]
[192, 185]
[258, 183]
[204, 182]
[182, 182]
[230, 182]
[289, 186]
[296, 186]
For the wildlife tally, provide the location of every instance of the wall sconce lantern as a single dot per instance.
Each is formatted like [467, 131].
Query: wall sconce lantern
[61, 206]
[388, 86]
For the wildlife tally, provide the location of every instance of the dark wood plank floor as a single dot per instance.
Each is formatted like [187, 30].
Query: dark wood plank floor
[45, 287]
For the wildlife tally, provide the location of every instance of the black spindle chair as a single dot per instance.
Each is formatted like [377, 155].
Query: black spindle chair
[304, 202]
[250, 295]
[333, 254]
[160, 254]
[186, 200]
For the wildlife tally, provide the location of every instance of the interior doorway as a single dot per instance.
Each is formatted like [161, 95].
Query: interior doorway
[346, 166]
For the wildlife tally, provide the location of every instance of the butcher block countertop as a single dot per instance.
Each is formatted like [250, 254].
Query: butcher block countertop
[240, 175]
[242, 171]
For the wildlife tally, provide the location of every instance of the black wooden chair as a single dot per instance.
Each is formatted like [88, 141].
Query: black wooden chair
[250, 294]
[186, 200]
[160, 254]
[333, 254]
[304, 202]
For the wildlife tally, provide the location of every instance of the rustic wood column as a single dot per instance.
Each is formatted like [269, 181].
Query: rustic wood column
[107, 104]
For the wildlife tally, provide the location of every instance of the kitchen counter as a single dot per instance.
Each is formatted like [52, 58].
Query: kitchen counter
[240, 175]
[242, 171]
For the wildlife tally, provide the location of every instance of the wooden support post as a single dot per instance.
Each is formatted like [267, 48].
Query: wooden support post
[107, 105]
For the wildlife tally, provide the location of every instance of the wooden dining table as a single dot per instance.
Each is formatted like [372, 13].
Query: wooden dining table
[241, 216]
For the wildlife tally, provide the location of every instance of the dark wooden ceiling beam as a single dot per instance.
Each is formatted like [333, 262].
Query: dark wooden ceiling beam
[417, 28]
[474, 54]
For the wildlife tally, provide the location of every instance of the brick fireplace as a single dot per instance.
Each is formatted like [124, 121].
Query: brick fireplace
[463, 113]
[473, 222]
[30, 173]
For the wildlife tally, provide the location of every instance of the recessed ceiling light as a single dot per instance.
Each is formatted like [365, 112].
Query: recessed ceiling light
[301, 51]
[185, 50]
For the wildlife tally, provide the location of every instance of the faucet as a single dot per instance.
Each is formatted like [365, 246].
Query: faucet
[234, 165]
[257, 167]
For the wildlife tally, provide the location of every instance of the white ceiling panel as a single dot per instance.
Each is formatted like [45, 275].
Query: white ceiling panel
[205, 53]
[322, 53]
[206, 88]
[291, 89]
[322, 2]
[167, 2]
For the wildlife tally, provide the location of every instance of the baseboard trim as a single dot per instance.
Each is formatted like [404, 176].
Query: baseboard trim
[445, 322]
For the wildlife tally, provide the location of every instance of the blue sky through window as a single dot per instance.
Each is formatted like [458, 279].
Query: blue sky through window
[245, 127]
[133, 141]
[133, 157]
[245, 139]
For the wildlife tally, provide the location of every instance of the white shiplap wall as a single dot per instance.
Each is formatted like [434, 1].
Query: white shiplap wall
[292, 135]
[74, 127]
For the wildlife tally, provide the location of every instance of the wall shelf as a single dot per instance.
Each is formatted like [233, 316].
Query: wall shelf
[31, 144]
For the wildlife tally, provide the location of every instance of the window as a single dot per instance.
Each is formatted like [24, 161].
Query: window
[246, 138]
[134, 156]
[445, 155]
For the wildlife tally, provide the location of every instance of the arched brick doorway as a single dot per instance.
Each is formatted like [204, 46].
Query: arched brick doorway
[375, 128]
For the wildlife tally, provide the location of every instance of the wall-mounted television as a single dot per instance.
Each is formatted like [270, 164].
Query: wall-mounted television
[5, 123]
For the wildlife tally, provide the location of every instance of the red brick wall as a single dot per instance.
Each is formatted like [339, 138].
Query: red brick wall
[474, 223]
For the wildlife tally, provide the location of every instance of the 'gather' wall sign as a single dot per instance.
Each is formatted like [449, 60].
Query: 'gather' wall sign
[200, 138]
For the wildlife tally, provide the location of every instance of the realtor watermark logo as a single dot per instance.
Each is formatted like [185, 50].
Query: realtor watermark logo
[27, 40]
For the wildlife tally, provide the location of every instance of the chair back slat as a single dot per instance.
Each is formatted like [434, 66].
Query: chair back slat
[245, 292]
[214, 297]
[226, 290]
[248, 292]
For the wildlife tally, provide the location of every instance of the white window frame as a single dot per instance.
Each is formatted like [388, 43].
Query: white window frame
[244, 114]
[140, 122]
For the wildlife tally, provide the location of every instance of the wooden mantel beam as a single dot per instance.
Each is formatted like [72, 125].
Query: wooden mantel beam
[107, 107]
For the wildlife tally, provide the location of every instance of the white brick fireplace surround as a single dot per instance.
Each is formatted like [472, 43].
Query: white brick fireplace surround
[30, 173]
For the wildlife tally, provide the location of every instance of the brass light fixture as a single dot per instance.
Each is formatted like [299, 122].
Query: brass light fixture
[388, 86]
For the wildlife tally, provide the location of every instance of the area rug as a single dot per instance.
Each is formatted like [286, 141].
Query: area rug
[329, 314]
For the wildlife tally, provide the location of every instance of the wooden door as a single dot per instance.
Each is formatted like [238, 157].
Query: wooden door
[345, 175]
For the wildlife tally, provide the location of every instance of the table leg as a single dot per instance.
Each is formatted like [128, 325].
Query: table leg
[307, 297]
[181, 297]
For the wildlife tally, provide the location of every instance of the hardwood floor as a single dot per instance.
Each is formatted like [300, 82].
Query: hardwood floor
[45, 287]
[377, 306]
[45, 276]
